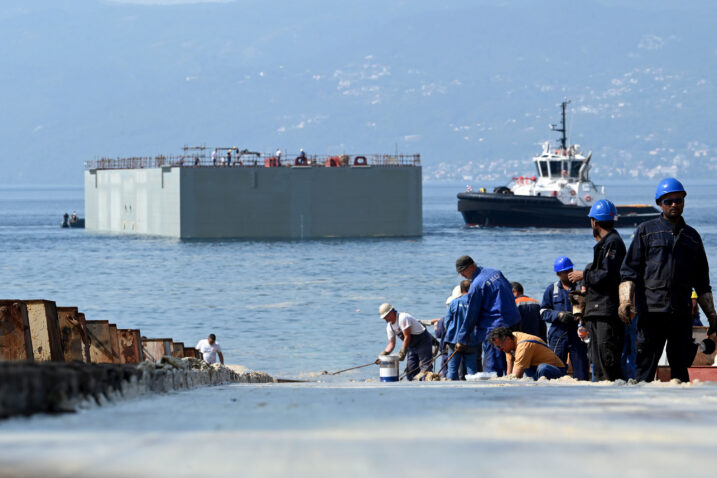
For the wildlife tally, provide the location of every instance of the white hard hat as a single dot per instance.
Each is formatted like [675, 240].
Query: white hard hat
[454, 295]
[384, 309]
[301, 150]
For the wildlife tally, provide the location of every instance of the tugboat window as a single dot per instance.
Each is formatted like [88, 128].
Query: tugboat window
[543, 168]
[575, 168]
[555, 169]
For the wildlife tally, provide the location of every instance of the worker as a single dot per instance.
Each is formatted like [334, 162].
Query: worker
[210, 349]
[527, 354]
[557, 310]
[601, 279]
[664, 262]
[530, 321]
[214, 157]
[417, 342]
[301, 158]
[453, 322]
[229, 157]
[490, 304]
[278, 157]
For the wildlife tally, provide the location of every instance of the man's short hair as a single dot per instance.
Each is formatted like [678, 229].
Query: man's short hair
[212, 336]
[465, 285]
[607, 225]
[463, 263]
[501, 333]
[518, 287]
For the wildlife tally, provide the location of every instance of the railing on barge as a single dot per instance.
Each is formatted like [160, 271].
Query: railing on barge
[256, 160]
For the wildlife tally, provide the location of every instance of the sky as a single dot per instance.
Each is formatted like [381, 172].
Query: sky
[470, 85]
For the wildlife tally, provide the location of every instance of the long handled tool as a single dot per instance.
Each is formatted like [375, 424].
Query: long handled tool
[435, 357]
[347, 369]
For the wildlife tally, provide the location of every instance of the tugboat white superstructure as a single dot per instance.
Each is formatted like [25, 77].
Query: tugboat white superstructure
[559, 196]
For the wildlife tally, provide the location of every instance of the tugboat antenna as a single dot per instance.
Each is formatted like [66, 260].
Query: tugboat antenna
[563, 138]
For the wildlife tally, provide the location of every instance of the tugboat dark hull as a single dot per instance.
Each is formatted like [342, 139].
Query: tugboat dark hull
[508, 210]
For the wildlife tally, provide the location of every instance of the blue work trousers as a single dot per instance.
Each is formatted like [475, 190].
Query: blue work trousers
[493, 359]
[564, 342]
[545, 370]
[469, 359]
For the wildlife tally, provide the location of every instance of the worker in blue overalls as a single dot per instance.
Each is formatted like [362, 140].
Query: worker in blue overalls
[557, 310]
[490, 304]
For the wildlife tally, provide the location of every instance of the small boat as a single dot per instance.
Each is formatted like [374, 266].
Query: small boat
[73, 221]
[559, 196]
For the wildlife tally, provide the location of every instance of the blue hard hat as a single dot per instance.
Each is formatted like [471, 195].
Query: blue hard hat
[603, 210]
[667, 186]
[562, 263]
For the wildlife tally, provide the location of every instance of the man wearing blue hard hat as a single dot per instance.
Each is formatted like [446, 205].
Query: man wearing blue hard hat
[601, 279]
[665, 261]
[557, 310]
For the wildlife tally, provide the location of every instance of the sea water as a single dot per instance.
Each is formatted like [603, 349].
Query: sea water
[290, 308]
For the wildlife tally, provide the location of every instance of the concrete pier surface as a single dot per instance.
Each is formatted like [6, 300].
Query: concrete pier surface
[492, 428]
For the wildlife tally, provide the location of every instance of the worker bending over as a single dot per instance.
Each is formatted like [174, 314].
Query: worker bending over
[557, 310]
[527, 355]
[417, 342]
[601, 279]
[490, 304]
[664, 262]
[453, 322]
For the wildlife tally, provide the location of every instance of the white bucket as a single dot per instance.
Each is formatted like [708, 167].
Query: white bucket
[389, 368]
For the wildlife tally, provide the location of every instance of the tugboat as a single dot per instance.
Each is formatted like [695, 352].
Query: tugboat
[559, 196]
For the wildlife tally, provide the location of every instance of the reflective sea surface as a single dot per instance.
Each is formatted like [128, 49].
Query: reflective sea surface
[293, 309]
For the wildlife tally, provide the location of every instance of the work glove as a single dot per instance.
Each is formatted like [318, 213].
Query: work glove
[566, 317]
[460, 347]
[401, 355]
[707, 304]
[627, 310]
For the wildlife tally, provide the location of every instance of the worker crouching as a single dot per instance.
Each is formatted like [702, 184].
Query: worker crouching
[527, 355]
[417, 341]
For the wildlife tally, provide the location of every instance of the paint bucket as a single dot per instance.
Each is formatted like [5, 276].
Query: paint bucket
[389, 368]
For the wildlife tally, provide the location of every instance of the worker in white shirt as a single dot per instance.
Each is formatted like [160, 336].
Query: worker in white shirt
[210, 349]
[417, 342]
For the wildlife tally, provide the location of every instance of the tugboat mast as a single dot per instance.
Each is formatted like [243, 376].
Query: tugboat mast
[563, 138]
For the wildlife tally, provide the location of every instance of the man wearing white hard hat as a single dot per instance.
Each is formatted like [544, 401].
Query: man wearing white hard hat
[417, 342]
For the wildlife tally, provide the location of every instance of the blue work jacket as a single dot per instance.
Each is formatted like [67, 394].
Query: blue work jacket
[454, 320]
[555, 300]
[666, 263]
[490, 303]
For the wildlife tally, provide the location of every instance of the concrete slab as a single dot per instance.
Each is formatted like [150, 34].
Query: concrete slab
[494, 428]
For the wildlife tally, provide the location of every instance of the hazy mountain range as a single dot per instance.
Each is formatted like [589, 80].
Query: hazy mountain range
[471, 85]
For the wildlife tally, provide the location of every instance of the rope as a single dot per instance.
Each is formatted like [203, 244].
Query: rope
[352, 368]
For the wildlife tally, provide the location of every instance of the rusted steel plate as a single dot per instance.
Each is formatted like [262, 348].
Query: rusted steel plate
[100, 342]
[15, 338]
[130, 346]
[73, 334]
[155, 349]
[190, 352]
[114, 339]
[178, 349]
[44, 330]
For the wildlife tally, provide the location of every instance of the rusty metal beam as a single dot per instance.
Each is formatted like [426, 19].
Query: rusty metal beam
[15, 337]
[130, 346]
[73, 333]
[44, 330]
